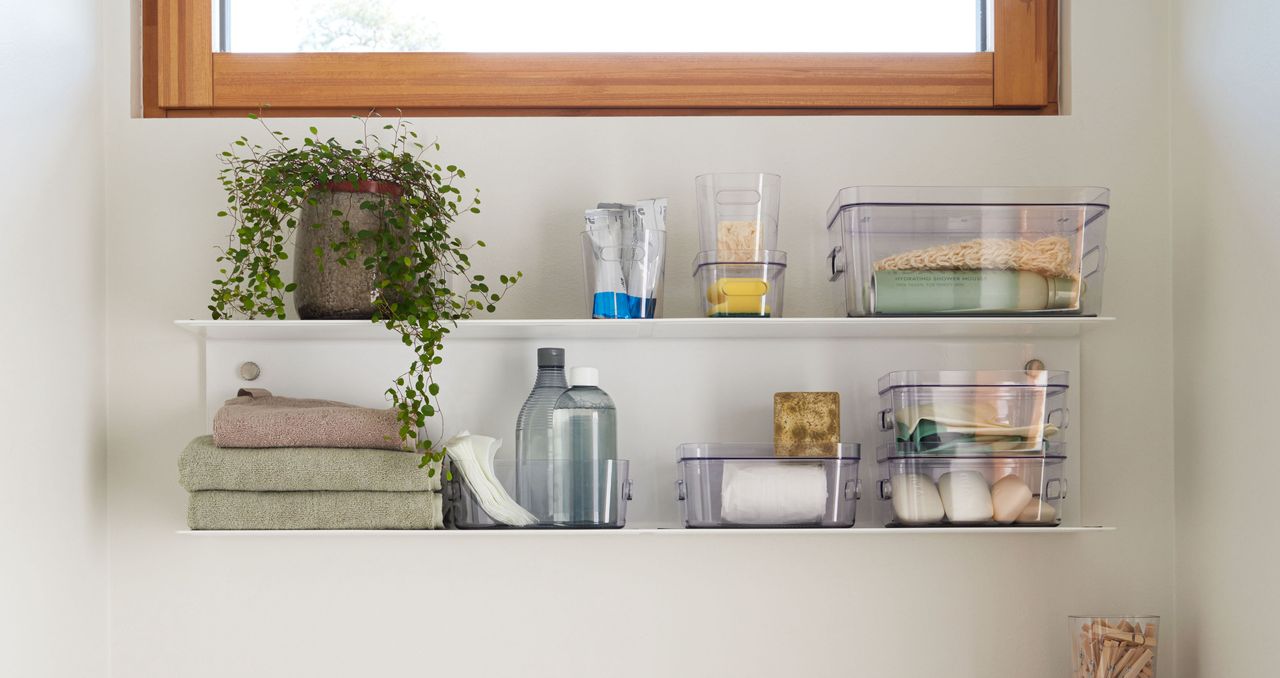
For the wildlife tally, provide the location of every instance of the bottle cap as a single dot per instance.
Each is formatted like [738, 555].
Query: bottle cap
[584, 376]
[551, 357]
[1063, 293]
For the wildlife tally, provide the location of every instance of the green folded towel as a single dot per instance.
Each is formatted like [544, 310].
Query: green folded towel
[218, 510]
[203, 466]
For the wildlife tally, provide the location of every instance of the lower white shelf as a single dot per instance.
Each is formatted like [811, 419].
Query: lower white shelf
[649, 532]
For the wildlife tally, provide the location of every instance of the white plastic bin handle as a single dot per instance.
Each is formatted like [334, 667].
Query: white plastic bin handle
[679, 490]
[886, 490]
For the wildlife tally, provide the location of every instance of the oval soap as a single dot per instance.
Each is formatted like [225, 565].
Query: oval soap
[965, 497]
[915, 499]
[1008, 497]
[1038, 512]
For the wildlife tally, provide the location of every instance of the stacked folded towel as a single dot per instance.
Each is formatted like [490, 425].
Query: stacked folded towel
[277, 463]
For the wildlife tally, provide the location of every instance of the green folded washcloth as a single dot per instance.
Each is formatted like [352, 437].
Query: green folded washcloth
[218, 510]
[204, 466]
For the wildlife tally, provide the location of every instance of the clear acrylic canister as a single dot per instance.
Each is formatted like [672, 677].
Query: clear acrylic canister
[738, 211]
[624, 272]
[1103, 647]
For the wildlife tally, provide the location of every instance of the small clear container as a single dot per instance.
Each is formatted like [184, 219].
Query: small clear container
[624, 272]
[738, 211]
[901, 250]
[973, 491]
[973, 411]
[595, 494]
[1102, 647]
[740, 285]
[745, 485]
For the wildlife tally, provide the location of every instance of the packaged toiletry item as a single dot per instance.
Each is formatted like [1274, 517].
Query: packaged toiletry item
[806, 424]
[978, 291]
[534, 423]
[624, 252]
[585, 433]
[474, 458]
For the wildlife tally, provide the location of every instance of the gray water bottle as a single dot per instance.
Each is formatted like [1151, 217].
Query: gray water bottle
[585, 440]
[534, 429]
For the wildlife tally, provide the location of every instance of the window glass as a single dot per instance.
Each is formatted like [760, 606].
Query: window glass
[829, 26]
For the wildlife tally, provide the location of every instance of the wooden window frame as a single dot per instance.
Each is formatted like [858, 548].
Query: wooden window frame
[182, 76]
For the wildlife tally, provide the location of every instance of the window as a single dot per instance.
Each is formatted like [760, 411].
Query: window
[487, 57]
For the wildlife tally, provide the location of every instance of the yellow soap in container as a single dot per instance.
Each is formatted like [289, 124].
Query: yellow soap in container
[736, 284]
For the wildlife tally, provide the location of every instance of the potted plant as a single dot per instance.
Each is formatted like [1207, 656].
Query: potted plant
[370, 223]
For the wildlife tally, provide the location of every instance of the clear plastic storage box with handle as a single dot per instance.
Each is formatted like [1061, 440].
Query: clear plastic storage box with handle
[899, 250]
[558, 494]
[973, 412]
[973, 491]
[746, 485]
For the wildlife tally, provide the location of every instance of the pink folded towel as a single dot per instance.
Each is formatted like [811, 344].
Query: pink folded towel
[255, 418]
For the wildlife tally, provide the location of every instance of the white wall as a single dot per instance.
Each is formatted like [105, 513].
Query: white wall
[971, 607]
[1226, 244]
[53, 583]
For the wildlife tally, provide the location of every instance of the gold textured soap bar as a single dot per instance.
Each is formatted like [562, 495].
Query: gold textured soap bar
[806, 424]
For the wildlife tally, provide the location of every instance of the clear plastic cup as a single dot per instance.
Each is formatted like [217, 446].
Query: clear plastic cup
[1102, 647]
[738, 211]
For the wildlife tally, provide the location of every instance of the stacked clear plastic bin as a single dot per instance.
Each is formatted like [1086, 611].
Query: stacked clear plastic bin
[739, 273]
[901, 250]
[970, 448]
[749, 485]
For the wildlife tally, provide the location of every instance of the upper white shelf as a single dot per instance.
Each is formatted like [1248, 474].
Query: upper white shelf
[664, 328]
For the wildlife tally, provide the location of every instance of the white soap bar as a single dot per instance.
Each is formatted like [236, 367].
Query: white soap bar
[770, 493]
[1038, 512]
[1008, 497]
[965, 497]
[915, 499]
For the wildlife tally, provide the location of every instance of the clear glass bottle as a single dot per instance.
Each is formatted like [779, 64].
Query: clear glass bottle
[585, 437]
[534, 428]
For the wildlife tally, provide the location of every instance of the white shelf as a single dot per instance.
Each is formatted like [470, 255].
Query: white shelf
[660, 532]
[664, 328]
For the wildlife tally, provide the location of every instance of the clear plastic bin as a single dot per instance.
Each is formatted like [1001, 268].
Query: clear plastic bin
[745, 485]
[973, 491]
[624, 272]
[740, 287]
[902, 250]
[1102, 647]
[973, 411]
[559, 494]
[738, 211]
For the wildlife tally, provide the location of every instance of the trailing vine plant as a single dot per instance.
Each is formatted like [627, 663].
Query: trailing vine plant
[414, 259]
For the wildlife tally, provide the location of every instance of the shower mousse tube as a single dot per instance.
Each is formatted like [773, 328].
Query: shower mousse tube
[977, 291]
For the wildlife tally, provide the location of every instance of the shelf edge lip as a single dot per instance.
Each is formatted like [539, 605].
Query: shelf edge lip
[662, 328]
[664, 531]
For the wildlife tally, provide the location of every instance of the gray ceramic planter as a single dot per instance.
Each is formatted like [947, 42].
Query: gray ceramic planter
[326, 289]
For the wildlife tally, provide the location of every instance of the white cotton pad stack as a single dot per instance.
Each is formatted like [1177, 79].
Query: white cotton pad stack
[754, 493]
[474, 457]
[915, 499]
[965, 497]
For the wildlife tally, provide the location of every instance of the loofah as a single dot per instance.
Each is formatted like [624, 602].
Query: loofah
[1050, 257]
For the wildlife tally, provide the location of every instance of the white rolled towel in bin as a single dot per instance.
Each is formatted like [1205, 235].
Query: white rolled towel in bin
[762, 493]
